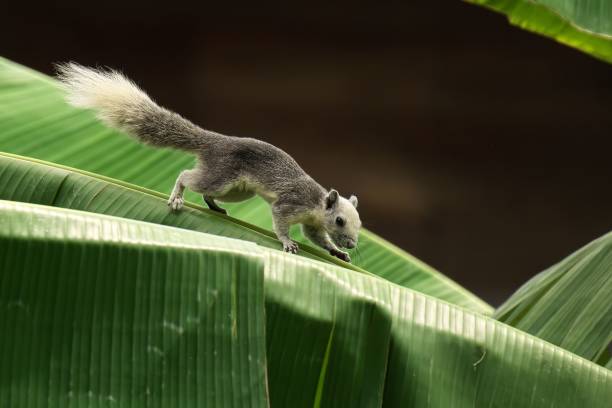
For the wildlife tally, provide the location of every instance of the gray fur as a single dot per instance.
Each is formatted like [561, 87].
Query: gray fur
[229, 168]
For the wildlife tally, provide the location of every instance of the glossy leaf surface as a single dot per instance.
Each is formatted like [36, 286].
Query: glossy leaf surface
[112, 287]
[582, 24]
[569, 304]
[96, 311]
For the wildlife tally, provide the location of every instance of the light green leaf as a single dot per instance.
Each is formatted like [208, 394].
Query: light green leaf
[108, 288]
[582, 24]
[97, 311]
[35, 121]
[569, 304]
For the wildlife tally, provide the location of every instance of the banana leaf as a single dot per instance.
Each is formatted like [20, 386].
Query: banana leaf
[116, 312]
[103, 312]
[569, 304]
[582, 24]
[35, 121]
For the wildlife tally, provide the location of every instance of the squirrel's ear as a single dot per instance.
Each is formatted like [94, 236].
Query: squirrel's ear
[332, 199]
[353, 200]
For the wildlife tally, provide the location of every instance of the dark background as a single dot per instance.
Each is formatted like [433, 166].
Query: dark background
[480, 148]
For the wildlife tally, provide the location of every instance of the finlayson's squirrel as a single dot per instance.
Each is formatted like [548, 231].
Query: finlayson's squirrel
[229, 169]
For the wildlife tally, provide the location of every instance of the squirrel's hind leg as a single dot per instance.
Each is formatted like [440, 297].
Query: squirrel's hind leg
[176, 201]
[213, 205]
[187, 178]
[202, 181]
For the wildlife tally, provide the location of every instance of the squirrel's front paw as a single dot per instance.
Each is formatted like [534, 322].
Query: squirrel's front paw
[176, 202]
[340, 255]
[291, 247]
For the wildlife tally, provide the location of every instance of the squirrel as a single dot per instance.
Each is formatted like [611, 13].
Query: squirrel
[228, 169]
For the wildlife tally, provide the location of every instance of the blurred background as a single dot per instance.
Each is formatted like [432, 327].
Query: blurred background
[480, 148]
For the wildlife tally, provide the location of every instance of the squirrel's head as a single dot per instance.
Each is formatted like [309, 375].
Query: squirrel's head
[342, 221]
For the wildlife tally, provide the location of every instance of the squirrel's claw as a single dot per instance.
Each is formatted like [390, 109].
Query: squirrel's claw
[291, 247]
[340, 255]
[175, 203]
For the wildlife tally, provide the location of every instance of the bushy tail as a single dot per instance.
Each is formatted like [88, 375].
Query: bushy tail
[121, 104]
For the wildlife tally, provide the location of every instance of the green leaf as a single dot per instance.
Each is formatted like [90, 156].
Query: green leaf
[582, 24]
[569, 304]
[80, 317]
[96, 311]
[35, 121]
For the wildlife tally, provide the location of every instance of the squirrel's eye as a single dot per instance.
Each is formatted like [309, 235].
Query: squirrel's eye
[340, 222]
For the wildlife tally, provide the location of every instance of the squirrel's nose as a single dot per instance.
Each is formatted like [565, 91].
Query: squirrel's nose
[350, 244]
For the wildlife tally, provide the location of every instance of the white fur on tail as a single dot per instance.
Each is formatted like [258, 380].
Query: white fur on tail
[107, 92]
